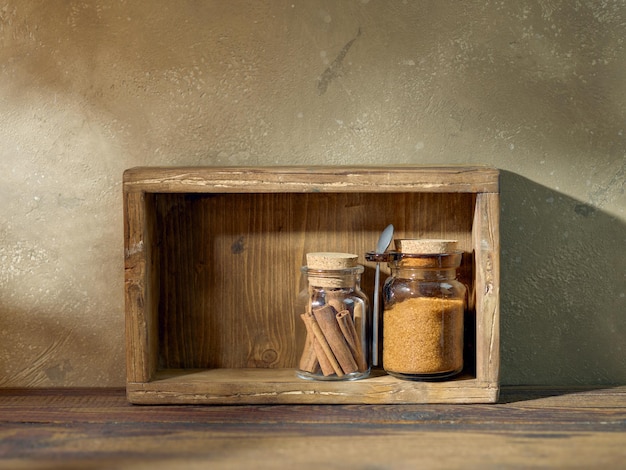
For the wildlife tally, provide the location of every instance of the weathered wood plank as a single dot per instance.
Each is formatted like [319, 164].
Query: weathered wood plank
[280, 386]
[520, 409]
[139, 366]
[554, 427]
[486, 241]
[161, 446]
[313, 179]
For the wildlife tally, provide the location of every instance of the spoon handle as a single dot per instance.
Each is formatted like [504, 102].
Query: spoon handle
[375, 317]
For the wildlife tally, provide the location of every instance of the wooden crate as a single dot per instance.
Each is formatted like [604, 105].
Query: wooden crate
[213, 259]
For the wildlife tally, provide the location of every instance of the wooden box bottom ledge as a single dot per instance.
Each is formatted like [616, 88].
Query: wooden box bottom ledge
[281, 386]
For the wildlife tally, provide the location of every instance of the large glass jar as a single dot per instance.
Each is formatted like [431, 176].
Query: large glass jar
[335, 314]
[424, 307]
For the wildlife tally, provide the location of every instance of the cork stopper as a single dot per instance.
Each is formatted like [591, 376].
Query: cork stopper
[425, 246]
[428, 253]
[331, 260]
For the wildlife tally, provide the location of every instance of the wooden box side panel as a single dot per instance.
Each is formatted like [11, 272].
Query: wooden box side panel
[140, 321]
[487, 290]
[229, 264]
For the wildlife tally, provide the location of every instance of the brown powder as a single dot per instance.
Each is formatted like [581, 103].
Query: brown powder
[423, 335]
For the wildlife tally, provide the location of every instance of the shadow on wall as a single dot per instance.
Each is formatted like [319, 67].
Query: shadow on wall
[563, 307]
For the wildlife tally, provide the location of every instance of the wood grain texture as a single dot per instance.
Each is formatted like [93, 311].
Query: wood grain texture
[139, 366]
[213, 270]
[486, 238]
[281, 386]
[231, 264]
[312, 179]
[536, 427]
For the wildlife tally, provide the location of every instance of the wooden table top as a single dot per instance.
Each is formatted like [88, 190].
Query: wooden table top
[528, 428]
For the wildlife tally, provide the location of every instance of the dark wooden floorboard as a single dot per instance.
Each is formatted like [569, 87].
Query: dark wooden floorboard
[98, 428]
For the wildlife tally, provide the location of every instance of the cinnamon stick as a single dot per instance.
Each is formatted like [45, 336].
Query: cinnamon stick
[308, 360]
[335, 300]
[326, 319]
[344, 319]
[328, 363]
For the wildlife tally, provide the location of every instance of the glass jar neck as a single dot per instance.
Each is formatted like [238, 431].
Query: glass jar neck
[435, 267]
[334, 279]
[423, 274]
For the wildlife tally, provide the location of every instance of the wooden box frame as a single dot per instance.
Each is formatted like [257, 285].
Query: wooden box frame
[212, 258]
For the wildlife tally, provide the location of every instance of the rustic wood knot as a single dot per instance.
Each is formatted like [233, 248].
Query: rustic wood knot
[237, 247]
[269, 356]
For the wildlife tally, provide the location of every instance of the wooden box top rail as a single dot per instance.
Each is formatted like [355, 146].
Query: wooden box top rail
[294, 179]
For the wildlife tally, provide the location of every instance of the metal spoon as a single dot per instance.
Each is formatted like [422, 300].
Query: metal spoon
[383, 242]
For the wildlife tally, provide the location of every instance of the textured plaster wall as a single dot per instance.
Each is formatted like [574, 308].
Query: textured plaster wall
[89, 88]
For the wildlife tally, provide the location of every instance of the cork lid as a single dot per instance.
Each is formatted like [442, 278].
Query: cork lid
[425, 246]
[331, 260]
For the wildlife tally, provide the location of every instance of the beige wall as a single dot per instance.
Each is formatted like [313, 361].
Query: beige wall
[89, 88]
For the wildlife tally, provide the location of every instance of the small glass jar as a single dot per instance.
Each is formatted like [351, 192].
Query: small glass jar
[424, 308]
[335, 315]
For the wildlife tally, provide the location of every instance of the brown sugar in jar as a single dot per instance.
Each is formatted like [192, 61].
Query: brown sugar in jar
[421, 336]
[424, 307]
